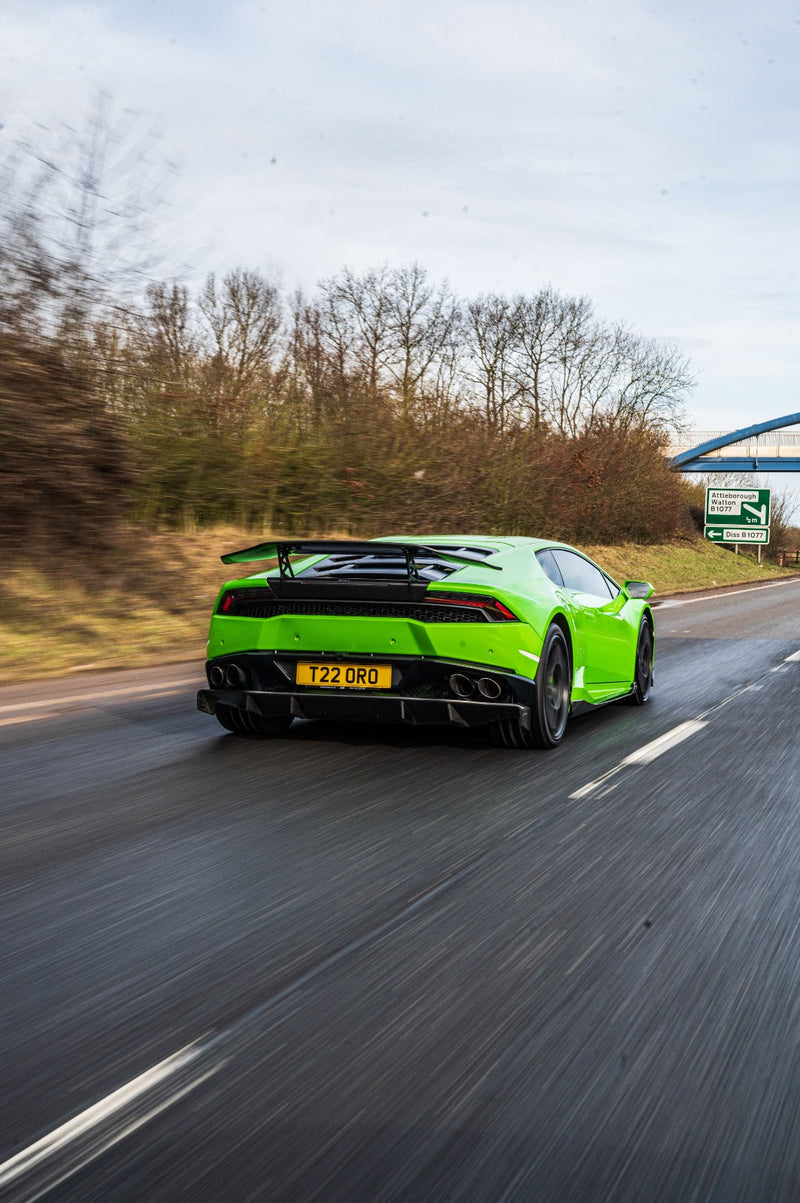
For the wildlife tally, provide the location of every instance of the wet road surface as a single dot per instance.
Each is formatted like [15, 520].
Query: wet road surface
[369, 963]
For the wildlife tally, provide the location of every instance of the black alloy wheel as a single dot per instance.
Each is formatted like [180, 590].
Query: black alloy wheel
[643, 674]
[550, 709]
[553, 690]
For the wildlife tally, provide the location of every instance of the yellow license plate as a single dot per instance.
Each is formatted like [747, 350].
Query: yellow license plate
[350, 676]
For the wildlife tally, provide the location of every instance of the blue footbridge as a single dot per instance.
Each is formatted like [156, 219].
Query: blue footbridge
[763, 447]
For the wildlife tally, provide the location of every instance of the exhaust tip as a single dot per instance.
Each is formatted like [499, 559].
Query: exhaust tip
[216, 676]
[234, 676]
[489, 688]
[461, 685]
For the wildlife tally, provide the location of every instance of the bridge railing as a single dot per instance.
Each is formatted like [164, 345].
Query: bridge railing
[768, 444]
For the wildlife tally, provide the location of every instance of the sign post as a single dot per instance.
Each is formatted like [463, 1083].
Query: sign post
[737, 516]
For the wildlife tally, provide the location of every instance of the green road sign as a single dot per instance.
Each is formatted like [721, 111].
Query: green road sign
[737, 508]
[737, 534]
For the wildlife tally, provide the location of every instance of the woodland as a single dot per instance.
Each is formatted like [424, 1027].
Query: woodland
[378, 402]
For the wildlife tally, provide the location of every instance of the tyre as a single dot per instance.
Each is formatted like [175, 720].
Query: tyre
[550, 710]
[253, 726]
[643, 673]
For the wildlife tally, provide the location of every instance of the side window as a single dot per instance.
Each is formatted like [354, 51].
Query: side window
[613, 588]
[582, 576]
[548, 563]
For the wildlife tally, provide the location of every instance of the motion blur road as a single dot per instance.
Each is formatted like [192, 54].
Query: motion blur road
[378, 964]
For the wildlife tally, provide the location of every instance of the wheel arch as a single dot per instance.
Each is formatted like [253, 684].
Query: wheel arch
[636, 697]
[645, 615]
[561, 621]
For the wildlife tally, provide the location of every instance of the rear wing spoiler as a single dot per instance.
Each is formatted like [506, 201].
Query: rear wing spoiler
[410, 552]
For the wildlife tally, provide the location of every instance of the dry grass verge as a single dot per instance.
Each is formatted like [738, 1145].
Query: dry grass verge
[683, 567]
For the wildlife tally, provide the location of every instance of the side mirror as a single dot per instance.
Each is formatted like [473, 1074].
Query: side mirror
[639, 590]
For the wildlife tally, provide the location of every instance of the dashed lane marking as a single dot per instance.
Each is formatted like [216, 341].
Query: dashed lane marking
[85, 1136]
[644, 755]
[98, 694]
[657, 747]
[67, 1149]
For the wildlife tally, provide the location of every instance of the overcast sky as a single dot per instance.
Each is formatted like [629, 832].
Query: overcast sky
[644, 154]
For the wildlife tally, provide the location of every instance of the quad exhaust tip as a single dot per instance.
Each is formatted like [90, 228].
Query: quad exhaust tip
[234, 676]
[489, 688]
[464, 687]
[217, 675]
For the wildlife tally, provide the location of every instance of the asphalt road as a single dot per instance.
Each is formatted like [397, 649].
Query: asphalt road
[379, 964]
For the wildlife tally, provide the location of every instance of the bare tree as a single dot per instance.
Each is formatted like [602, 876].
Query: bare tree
[422, 323]
[390, 332]
[72, 211]
[76, 222]
[652, 383]
[151, 358]
[172, 340]
[538, 323]
[359, 307]
[491, 335]
[244, 322]
[574, 369]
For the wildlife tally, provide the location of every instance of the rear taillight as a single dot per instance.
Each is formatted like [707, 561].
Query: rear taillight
[495, 610]
[228, 603]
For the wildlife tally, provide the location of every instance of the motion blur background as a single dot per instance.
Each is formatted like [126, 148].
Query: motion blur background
[360, 267]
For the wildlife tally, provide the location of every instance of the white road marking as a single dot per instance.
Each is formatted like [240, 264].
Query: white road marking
[591, 786]
[658, 746]
[65, 699]
[80, 1125]
[98, 1126]
[690, 601]
[644, 755]
[649, 752]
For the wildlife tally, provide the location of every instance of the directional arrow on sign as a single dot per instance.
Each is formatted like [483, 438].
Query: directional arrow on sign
[745, 508]
[737, 534]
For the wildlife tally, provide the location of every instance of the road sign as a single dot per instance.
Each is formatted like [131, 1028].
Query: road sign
[738, 508]
[737, 534]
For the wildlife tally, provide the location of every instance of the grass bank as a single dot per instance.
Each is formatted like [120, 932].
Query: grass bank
[683, 567]
[153, 605]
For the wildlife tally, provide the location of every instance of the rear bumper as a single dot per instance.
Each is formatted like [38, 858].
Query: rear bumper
[421, 694]
[364, 707]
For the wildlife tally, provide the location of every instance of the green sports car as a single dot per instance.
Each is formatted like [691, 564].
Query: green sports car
[478, 631]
